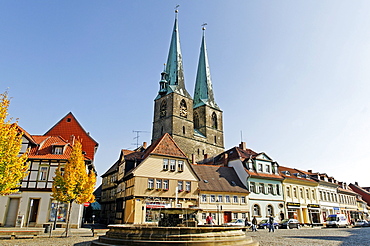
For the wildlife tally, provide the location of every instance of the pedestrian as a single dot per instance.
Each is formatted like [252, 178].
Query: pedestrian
[209, 220]
[246, 223]
[254, 224]
[271, 224]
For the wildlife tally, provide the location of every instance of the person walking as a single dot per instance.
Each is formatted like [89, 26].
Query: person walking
[271, 224]
[209, 220]
[254, 224]
[246, 223]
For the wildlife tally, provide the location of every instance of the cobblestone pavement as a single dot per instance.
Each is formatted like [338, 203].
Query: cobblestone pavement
[294, 237]
[313, 236]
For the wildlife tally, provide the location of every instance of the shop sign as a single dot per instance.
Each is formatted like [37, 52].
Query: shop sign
[157, 205]
[335, 208]
[313, 205]
[293, 204]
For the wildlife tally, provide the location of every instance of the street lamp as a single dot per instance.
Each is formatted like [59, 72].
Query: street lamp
[218, 221]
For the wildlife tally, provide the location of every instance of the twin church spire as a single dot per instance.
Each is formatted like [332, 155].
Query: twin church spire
[173, 75]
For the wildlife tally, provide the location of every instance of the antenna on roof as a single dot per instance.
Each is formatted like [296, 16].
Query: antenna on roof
[137, 137]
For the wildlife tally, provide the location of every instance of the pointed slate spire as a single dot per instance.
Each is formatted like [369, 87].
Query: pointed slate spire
[174, 69]
[203, 93]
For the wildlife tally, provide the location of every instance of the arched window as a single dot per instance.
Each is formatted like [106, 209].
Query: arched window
[163, 109]
[214, 120]
[196, 120]
[269, 210]
[256, 210]
[183, 109]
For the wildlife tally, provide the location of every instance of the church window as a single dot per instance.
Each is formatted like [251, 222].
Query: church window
[183, 130]
[215, 139]
[163, 109]
[162, 130]
[196, 120]
[214, 120]
[183, 109]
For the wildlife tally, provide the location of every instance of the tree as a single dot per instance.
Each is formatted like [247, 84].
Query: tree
[74, 183]
[13, 167]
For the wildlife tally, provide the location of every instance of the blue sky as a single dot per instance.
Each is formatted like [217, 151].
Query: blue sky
[292, 76]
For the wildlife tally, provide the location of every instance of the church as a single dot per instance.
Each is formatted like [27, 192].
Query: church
[195, 123]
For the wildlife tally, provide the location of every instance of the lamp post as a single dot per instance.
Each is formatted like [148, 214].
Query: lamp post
[218, 221]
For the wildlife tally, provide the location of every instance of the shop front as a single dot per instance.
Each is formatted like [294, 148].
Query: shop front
[293, 209]
[314, 213]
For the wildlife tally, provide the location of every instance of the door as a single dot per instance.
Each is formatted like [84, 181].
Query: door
[34, 208]
[12, 212]
[227, 217]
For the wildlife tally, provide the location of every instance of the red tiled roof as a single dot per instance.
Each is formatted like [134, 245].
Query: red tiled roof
[69, 128]
[44, 148]
[293, 171]
[165, 146]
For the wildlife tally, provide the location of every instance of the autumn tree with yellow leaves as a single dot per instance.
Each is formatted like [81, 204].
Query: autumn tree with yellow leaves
[13, 167]
[75, 183]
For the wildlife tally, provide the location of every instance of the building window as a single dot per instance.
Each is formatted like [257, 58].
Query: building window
[183, 130]
[165, 164]
[215, 139]
[150, 183]
[295, 192]
[269, 210]
[204, 216]
[235, 216]
[227, 198]
[163, 109]
[158, 184]
[188, 186]
[278, 190]
[58, 150]
[301, 192]
[242, 199]
[270, 189]
[252, 187]
[307, 194]
[180, 166]
[58, 211]
[261, 188]
[43, 173]
[244, 215]
[260, 168]
[180, 185]
[220, 198]
[165, 184]
[196, 120]
[235, 199]
[214, 120]
[204, 198]
[288, 191]
[212, 198]
[172, 165]
[267, 168]
[256, 210]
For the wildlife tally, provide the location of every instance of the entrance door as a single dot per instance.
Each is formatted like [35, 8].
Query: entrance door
[12, 212]
[34, 208]
[227, 217]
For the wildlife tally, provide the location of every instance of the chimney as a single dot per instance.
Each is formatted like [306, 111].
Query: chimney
[310, 171]
[226, 159]
[243, 145]
[356, 183]
[144, 145]
[192, 159]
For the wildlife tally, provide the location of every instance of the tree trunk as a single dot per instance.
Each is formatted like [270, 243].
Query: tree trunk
[68, 218]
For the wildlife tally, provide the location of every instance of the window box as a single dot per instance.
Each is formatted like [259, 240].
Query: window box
[158, 189]
[181, 190]
[188, 191]
[165, 189]
[150, 188]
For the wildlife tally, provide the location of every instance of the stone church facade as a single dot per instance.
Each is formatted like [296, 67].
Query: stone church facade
[196, 123]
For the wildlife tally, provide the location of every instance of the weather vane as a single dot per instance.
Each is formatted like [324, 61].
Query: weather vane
[176, 8]
[204, 26]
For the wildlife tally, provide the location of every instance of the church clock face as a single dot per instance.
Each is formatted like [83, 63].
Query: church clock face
[183, 109]
[163, 109]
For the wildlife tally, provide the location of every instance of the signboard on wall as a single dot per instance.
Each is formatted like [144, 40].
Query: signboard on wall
[19, 221]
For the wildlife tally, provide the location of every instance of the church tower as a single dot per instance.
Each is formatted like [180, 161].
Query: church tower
[174, 107]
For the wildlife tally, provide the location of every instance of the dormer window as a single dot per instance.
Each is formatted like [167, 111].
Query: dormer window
[287, 173]
[260, 167]
[58, 150]
[267, 168]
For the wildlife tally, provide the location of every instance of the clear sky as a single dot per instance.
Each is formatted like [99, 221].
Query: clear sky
[292, 76]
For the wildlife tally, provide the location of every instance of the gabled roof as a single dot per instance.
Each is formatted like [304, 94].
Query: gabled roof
[26, 134]
[364, 193]
[165, 146]
[218, 178]
[69, 128]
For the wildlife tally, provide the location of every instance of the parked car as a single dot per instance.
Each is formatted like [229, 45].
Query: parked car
[362, 223]
[236, 222]
[264, 224]
[290, 224]
[336, 220]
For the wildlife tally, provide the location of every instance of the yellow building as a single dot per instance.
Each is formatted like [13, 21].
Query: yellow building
[300, 195]
[153, 179]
